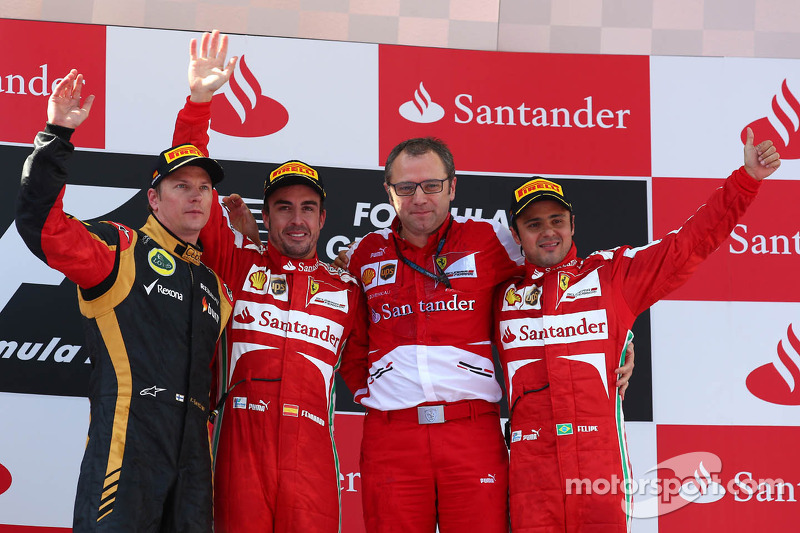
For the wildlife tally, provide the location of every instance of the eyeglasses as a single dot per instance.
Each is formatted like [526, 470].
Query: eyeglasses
[409, 188]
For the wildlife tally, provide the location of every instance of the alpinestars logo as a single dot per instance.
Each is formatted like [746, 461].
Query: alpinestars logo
[421, 109]
[779, 381]
[242, 111]
[780, 125]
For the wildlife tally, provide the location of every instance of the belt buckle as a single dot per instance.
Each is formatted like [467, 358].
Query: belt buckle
[430, 414]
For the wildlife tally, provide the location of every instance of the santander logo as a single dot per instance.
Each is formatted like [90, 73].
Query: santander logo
[5, 479]
[780, 125]
[779, 381]
[701, 489]
[422, 109]
[242, 111]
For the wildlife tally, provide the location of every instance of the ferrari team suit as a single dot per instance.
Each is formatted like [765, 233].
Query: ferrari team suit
[561, 333]
[432, 448]
[153, 313]
[276, 467]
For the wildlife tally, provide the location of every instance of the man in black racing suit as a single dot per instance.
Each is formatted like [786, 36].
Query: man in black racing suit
[153, 313]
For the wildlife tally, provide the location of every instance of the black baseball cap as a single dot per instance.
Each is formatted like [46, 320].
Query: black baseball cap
[535, 189]
[185, 154]
[293, 173]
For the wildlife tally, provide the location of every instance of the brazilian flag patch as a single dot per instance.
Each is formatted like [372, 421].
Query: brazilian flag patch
[563, 429]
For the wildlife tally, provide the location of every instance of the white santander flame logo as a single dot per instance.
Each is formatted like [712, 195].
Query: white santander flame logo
[702, 489]
[421, 109]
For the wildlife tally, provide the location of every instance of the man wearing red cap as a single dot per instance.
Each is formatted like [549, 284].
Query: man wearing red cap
[562, 328]
[275, 466]
[153, 313]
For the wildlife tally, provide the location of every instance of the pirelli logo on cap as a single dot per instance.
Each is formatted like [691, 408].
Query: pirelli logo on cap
[293, 167]
[182, 151]
[537, 185]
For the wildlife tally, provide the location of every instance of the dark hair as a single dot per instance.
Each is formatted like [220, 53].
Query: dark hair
[265, 205]
[513, 224]
[420, 146]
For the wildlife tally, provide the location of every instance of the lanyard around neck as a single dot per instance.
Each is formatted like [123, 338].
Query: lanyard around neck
[440, 275]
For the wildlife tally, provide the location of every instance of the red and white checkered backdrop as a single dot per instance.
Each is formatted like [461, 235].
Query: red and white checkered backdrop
[638, 142]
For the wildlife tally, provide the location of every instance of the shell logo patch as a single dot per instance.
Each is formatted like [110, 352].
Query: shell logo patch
[368, 276]
[512, 297]
[257, 280]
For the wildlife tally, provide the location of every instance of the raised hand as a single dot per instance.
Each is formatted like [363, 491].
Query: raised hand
[761, 160]
[207, 68]
[241, 217]
[64, 105]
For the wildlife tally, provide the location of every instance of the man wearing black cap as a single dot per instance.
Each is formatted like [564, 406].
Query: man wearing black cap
[562, 329]
[153, 313]
[275, 466]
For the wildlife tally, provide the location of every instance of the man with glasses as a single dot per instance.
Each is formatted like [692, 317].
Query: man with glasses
[432, 450]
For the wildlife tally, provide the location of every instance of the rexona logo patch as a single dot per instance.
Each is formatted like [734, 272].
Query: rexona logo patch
[161, 261]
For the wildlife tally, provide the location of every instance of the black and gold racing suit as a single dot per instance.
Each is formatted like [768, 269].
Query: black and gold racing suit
[152, 315]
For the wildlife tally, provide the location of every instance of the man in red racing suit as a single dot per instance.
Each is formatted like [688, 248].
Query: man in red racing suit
[432, 450]
[562, 329]
[275, 467]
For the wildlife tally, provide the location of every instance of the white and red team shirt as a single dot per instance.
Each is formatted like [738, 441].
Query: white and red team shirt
[562, 331]
[301, 311]
[429, 343]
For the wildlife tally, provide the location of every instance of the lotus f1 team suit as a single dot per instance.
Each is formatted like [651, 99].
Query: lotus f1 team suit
[432, 448]
[276, 467]
[561, 332]
[153, 313]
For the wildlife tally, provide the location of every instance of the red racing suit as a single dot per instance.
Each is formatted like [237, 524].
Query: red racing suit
[276, 467]
[561, 333]
[429, 347]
